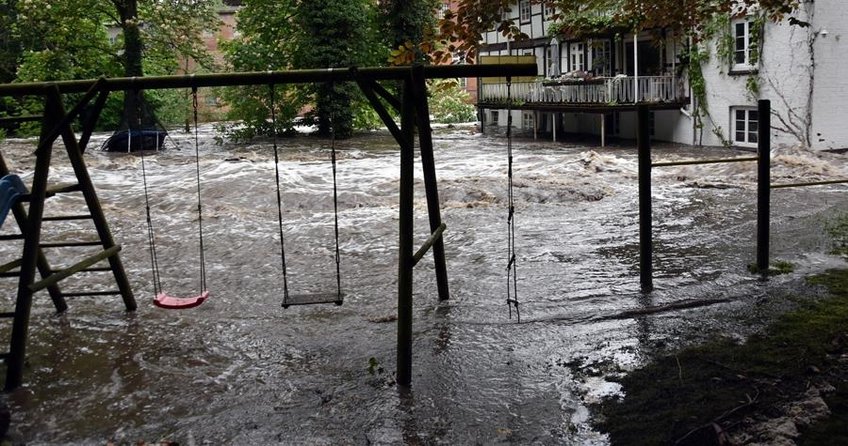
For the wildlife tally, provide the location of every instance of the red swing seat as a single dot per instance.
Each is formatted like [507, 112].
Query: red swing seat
[163, 300]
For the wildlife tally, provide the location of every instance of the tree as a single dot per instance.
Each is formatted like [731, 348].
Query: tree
[265, 43]
[335, 33]
[411, 25]
[10, 45]
[290, 34]
[70, 39]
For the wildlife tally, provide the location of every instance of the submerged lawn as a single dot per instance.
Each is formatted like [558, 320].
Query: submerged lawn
[710, 393]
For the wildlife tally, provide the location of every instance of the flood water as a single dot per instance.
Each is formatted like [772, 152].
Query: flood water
[241, 370]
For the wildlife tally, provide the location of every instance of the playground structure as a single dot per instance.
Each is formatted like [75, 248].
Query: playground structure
[56, 122]
[414, 115]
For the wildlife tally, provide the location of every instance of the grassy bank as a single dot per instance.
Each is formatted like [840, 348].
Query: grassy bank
[721, 390]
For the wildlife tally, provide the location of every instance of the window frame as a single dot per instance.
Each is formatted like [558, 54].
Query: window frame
[525, 11]
[747, 63]
[750, 136]
[576, 56]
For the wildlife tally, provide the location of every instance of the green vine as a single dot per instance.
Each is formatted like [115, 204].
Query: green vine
[586, 23]
[752, 84]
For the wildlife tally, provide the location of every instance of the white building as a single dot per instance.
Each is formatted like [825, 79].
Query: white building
[591, 84]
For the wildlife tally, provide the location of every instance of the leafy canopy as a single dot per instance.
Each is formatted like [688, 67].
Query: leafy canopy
[461, 31]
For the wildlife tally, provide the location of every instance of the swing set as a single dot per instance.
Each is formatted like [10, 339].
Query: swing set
[165, 300]
[411, 105]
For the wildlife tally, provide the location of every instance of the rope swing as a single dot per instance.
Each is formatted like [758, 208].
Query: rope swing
[163, 299]
[306, 299]
[511, 269]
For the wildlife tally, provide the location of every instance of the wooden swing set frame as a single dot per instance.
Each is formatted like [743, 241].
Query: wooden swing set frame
[412, 105]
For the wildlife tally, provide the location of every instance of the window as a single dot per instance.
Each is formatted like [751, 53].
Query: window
[495, 117]
[601, 58]
[527, 121]
[549, 10]
[746, 124]
[524, 11]
[576, 57]
[745, 52]
[445, 7]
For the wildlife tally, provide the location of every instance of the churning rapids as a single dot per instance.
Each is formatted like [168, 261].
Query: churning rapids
[241, 370]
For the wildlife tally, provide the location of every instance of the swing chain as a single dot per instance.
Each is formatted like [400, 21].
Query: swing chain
[273, 106]
[511, 267]
[151, 237]
[199, 205]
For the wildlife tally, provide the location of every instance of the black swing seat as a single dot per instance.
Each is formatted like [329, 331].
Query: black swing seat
[313, 299]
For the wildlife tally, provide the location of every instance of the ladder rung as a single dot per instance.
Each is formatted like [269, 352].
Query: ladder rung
[5, 274]
[92, 293]
[11, 237]
[6, 267]
[67, 217]
[94, 269]
[69, 244]
[8, 314]
[62, 188]
[67, 272]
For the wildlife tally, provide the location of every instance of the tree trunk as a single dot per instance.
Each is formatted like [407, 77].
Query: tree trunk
[128, 12]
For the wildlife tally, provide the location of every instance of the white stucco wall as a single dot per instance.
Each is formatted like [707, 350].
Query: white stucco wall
[805, 109]
[830, 94]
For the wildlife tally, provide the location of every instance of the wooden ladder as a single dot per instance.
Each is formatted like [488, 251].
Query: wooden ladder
[56, 123]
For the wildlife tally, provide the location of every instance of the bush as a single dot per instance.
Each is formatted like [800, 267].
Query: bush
[449, 103]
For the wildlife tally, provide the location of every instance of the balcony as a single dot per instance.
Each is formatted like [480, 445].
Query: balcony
[596, 93]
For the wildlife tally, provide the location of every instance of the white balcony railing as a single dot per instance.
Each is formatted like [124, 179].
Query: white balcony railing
[597, 91]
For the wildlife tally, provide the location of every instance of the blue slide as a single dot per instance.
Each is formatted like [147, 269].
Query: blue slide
[11, 189]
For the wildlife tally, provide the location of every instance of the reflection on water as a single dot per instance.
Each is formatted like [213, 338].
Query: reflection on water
[241, 370]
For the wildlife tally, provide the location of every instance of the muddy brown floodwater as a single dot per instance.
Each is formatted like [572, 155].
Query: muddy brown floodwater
[241, 370]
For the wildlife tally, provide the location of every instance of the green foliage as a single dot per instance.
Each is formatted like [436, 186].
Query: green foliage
[449, 103]
[266, 43]
[408, 23]
[337, 34]
[10, 44]
[283, 35]
[587, 20]
[69, 40]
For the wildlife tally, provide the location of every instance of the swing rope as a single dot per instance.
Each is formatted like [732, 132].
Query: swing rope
[199, 205]
[161, 298]
[279, 194]
[335, 204]
[151, 237]
[511, 268]
[289, 299]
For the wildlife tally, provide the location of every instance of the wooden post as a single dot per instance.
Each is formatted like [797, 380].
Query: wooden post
[646, 244]
[405, 236]
[763, 185]
[425, 138]
[535, 124]
[98, 218]
[603, 130]
[32, 237]
[554, 123]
